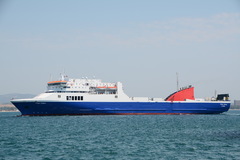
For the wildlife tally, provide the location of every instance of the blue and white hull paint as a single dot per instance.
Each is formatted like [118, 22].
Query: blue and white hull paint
[94, 97]
[35, 108]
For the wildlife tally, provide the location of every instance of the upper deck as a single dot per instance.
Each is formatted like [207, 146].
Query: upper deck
[84, 85]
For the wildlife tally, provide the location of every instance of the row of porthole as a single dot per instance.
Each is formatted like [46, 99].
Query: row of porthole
[76, 98]
[70, 87]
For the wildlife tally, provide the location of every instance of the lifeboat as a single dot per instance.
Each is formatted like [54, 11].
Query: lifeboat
[106, 87]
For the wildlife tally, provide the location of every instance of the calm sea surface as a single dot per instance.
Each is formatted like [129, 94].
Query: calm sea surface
[120, 137]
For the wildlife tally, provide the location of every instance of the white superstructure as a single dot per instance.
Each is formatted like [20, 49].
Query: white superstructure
[86, 89]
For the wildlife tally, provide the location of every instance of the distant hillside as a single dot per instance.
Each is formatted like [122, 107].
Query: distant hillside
[5, 99]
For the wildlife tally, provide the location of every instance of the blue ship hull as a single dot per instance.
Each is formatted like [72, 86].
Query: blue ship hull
[119, 108]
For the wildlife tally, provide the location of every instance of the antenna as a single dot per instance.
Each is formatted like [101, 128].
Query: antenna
[177, 81]
[62, 77]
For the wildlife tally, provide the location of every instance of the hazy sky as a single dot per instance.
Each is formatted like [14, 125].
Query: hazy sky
[142, 43]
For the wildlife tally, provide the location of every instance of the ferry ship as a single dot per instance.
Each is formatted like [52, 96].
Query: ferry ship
[93, 97]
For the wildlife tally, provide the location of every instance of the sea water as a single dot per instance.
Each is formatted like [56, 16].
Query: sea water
[120, 137]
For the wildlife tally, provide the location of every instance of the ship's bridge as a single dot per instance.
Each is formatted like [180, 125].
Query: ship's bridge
[55, 83]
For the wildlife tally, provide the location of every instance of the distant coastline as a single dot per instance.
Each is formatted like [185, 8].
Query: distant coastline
[8, 108]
